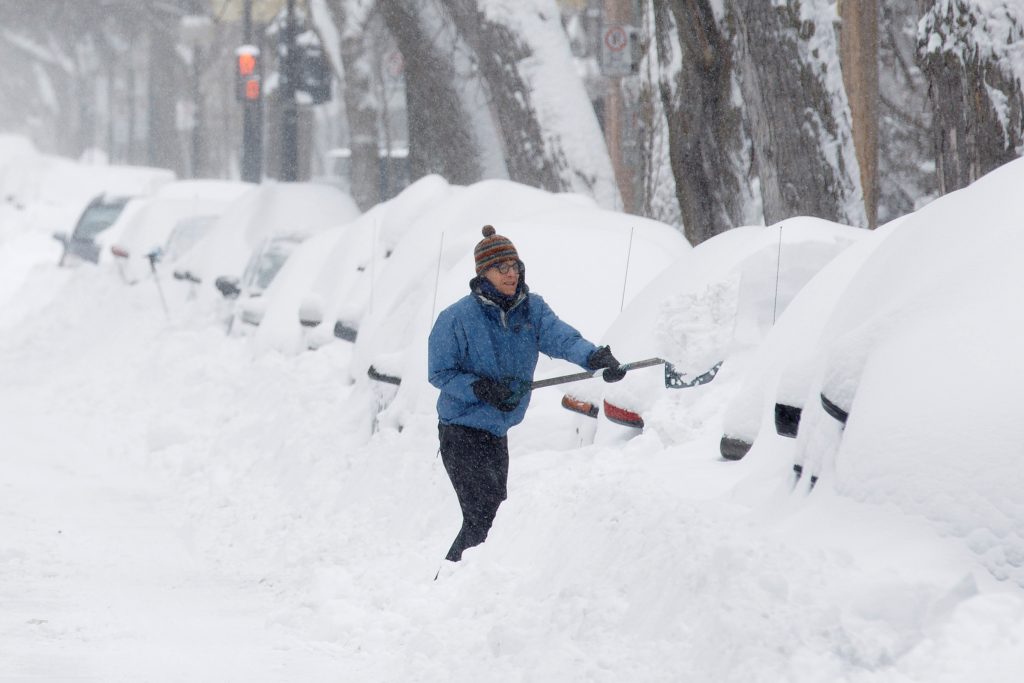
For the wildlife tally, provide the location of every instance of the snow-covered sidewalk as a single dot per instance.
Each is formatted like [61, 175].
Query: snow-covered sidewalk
[99, 580]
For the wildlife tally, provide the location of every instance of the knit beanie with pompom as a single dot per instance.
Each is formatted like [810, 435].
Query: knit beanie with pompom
[493, 249]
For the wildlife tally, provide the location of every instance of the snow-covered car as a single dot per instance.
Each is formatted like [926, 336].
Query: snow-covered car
[55, 191]
[265, 263]
[770, 400]
[326, 287]
[185, 234]
[919, 385]
[142, 231]
[444, 231]
[81, 244]
[286, 210]
[586, 263]
[705, 313]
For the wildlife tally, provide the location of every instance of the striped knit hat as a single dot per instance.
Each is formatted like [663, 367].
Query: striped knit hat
[493, 249]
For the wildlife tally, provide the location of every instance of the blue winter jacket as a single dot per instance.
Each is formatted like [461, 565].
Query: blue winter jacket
[475, 338]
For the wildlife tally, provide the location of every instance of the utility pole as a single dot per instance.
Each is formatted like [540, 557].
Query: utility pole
[290, 113]
[618, 15]
[252, 112]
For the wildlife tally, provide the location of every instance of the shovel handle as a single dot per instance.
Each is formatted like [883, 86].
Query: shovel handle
[576, 377]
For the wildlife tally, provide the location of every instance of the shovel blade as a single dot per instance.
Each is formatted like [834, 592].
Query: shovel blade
[678, 380]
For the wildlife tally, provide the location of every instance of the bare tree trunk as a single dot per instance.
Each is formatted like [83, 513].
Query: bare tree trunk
[975, 95]
[905, 146]
[803, 145]
[360, 107]
[554, 146]
[163, 148]
[704, 125]
[658, 193]
[441, 136]
[858, 44]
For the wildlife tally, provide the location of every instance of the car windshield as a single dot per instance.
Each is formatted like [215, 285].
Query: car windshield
[266, 262]
[97, 218]
[187, 232]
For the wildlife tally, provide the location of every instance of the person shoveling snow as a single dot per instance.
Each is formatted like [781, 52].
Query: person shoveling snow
[483, 350]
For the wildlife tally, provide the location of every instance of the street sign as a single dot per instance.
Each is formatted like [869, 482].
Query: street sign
[620, 51]
[615, 38]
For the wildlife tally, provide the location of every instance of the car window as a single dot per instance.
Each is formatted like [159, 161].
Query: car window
[187, 232]
[266, 262]
[97, 218]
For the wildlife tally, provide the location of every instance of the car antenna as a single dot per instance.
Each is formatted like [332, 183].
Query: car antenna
[373, 259]
[625, 277]
[778, 269]
[437, 277]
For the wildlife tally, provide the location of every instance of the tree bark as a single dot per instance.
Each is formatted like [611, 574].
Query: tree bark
[975, 97]
[858, 44]
[441, 138]
[164, 150]
[658, 196]
[802, 141]
[551, 139]
[904, 132]
[704, 125]
[361, 107]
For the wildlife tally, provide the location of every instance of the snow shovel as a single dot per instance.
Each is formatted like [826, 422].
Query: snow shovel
[577, 376]
[673, 378]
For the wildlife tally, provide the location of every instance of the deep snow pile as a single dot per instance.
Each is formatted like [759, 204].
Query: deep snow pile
[928, 368]
[175, 497]
[606, 563]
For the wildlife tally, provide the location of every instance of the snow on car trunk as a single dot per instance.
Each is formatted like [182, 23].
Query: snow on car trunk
[782, 369]
[923, 355]
[712, 306]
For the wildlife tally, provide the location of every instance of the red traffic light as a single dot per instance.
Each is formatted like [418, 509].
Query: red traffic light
[252, 89]
[247, 73]
[246, 64]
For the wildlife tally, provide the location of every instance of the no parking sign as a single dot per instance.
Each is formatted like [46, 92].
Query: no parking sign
[619, 51]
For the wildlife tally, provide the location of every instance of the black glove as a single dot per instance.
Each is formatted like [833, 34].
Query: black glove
[603, 358]
[495, 394]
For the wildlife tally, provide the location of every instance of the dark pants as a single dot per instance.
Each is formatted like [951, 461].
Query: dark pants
[477, 464]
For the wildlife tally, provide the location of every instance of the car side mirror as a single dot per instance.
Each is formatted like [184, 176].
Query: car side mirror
[61, 237]
[228, 286]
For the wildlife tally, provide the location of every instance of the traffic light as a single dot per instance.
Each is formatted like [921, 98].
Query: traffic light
[247, 73]
[315, 74]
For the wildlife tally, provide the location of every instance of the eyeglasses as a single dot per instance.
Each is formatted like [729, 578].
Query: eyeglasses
[506, 268]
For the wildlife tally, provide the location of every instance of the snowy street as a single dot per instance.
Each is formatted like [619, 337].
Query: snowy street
[178, 508]
[100, 580]
[511, 341]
